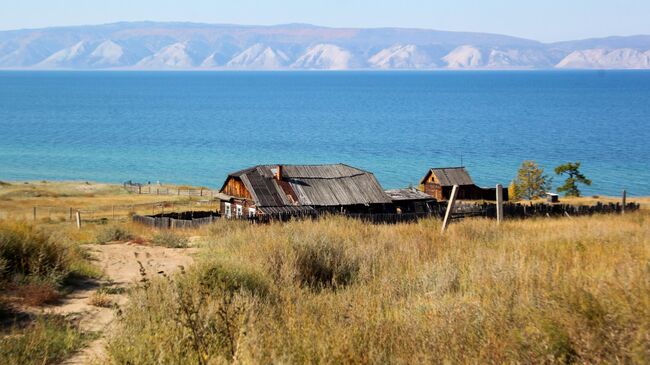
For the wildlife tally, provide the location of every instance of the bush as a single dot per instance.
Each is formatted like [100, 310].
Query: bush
[232, 278]
[26, 252]
[34, 264]
[324, 264]
[169, 239]
[48, 340]
[37, 294]
[100, 299]
[113, 233]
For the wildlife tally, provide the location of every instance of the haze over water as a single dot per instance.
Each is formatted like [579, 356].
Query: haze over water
[195, 127]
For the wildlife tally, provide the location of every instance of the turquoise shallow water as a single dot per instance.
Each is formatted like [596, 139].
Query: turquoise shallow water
[195, 127]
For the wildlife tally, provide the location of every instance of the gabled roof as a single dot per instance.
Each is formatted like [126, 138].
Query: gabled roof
[449, 176]
[312, 185]
[408, 194]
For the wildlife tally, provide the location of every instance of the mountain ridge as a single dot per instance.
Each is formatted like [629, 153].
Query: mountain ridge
[150, 45]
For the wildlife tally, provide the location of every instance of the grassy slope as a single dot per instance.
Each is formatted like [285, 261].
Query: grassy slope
[535, 291]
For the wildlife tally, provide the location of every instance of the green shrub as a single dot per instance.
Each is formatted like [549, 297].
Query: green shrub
[169, 239]
[232, 278]
[48, 340]
[113, 233]
[324, 264]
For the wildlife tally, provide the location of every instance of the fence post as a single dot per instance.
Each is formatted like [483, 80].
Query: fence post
[78, 220]
[450, 208]
[139, 189]
[624, 201]
[499, 203]
[70, 214]
[113, 210]
[34, 214]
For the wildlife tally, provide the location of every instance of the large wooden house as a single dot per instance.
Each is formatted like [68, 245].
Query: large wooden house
[289, 190]
[438, 182]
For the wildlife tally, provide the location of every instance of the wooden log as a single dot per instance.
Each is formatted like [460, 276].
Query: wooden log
[450, 208]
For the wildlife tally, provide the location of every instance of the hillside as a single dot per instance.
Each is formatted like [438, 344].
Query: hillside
[190, 46]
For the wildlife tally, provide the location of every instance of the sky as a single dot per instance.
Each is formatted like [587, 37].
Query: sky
[547, 21]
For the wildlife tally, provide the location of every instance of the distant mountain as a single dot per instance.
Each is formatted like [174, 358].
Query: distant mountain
[188, 46]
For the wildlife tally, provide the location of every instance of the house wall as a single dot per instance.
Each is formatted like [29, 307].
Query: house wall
[246, 205]
[435, 190]
[235, 187]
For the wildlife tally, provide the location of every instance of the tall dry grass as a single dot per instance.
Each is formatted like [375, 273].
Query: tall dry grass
[340, 291]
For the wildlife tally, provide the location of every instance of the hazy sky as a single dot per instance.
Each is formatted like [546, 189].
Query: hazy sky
[545, 20]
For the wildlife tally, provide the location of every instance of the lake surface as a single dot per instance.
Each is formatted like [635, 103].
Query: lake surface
[195, 127]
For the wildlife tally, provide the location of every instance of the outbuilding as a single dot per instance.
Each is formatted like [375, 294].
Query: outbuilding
[438, 182]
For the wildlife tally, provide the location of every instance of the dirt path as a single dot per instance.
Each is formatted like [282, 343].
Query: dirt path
[120, 265]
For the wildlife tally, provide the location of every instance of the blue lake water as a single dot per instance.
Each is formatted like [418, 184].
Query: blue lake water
[195, 127]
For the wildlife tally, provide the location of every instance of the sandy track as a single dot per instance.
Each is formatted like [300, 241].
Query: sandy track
[121, 270]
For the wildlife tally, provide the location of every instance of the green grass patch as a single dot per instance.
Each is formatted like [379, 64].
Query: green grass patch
[48, 340]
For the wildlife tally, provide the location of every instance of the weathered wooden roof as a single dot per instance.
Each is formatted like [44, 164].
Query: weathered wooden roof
[263, 188]
[408, 194]
[313, 185]
[287, 210]
[449, 176]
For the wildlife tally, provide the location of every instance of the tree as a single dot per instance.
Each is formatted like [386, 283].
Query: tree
[513, 192]
[574, 177]
[531, 182]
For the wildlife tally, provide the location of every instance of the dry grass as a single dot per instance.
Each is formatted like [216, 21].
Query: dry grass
[534, 291]
[100, 299]
[54, 199]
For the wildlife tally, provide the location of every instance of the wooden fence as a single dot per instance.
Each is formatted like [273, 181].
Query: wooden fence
[462, 210]
[110, 212]
[521, 211]
[155, 189]
[169, 222]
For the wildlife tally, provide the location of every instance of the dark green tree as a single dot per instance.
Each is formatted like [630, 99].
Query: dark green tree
[574, 177]
[531, 182]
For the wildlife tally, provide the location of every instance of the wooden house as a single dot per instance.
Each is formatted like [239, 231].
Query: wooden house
[438, 183]
[289, 190]
[411, 200]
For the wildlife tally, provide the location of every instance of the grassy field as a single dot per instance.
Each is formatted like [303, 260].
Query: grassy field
[340, 291]
[53, 201]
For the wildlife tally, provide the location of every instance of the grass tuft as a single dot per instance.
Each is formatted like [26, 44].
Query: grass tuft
[169, 239]
[113, 233]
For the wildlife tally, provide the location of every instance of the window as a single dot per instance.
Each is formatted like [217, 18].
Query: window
[239, 210]
[251, 212]
[227, 211]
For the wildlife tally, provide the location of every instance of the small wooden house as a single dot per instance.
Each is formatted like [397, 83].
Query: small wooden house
[290, 190]
[411, 200]
[438, 183]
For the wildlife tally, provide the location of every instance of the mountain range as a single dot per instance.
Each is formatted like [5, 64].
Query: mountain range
[192, 46]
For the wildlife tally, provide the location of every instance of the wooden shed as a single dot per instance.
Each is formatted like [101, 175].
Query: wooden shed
[411, 200]
[302, 189]
[439, 181]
